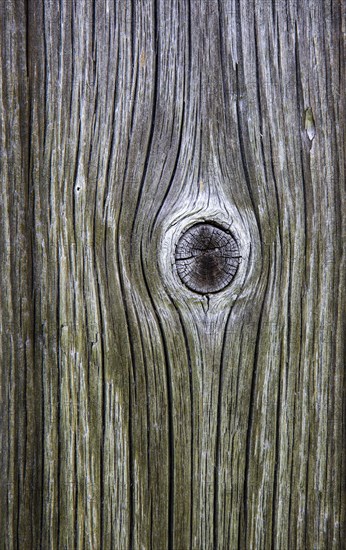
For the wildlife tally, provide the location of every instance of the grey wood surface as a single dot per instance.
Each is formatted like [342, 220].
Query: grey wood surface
[135, 412]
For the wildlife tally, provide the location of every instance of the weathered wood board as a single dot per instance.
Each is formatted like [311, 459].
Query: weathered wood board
[138, 412]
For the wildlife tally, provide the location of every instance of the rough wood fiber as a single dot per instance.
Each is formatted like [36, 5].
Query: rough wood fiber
[136, 413]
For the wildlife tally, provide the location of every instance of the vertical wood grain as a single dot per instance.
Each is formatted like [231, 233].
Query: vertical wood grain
[135, 413]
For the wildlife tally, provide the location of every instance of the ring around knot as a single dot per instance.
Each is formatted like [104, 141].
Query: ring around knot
[207, 258]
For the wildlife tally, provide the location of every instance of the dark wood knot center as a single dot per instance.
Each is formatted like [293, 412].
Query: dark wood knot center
[207, 258]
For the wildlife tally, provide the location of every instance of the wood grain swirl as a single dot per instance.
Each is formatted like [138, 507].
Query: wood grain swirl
[137, 413]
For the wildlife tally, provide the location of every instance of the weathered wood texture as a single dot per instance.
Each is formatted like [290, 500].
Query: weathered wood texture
[136, 413]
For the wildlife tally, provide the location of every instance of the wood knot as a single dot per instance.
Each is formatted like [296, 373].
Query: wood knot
[207, 258]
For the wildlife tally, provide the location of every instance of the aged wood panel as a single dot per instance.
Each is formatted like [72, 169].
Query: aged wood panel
[135, 412]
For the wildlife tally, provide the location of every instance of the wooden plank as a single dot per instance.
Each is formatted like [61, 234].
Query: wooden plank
[137, 411]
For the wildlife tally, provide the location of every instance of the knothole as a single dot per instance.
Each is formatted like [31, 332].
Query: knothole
[207, 258]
